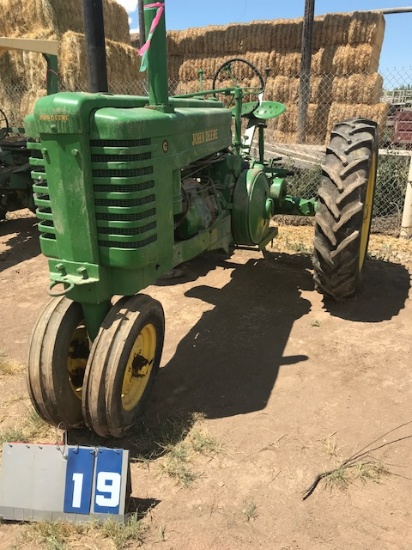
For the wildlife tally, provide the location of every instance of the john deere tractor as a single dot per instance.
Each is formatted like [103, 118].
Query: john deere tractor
[128, 187]
[15, 180]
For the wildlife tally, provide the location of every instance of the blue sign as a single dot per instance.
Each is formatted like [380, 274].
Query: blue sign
[108, 481]
[79, 480]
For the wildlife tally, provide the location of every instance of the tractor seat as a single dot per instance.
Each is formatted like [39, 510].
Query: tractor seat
[263, 111]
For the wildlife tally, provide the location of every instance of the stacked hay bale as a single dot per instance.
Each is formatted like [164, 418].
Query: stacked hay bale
[344, 79]
[23, 74]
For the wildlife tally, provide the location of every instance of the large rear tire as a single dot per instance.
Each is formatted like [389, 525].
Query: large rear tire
[344, 209]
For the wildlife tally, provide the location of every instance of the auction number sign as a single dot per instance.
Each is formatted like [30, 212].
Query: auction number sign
[95, 481]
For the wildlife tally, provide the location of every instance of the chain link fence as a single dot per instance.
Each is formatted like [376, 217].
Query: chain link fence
[304, 159]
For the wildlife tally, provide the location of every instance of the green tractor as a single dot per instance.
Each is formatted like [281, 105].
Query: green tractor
[127, 188]
[15, 173]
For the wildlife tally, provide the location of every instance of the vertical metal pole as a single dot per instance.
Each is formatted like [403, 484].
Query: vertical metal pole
[157, 62]
[52, 79]
[304, 86]
[95, 45]
[406, 225]
[142, 30]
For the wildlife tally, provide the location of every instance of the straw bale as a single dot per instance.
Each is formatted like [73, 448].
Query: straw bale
[284, 137]
[284, 64]
[10, 104]
[189, 68]
[235, 38]
[28, 101]
[367, 28]
[173, 43]
[22, 71]
[346, 59]
[174, 63]
[318, 23]
[349, 28]
[17, 102]
[259, 36]
[123, 64]
[335, 29]
[188, 87]
[352, 59]
[344, 111]
[286, 89]
[194, 86]
[281, 39]
[52, 18]
[13, 69]
[214, 39]
[357, 88]
[282, 89]
[317, 118]
[322, 60]
[292, 138]
[188, 42]
[321, 89]
[261, 60]
[286, 34]
[135, 40]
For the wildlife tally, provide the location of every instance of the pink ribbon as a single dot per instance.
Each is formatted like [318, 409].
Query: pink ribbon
[160, 9]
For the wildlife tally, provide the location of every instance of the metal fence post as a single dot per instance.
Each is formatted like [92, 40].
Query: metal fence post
[406, 225]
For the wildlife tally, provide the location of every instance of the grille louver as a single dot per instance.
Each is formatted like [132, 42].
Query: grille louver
[124, 198]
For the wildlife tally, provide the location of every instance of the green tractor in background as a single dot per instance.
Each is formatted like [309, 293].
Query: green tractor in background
[15, 173]
[127, 188]
[15, 177]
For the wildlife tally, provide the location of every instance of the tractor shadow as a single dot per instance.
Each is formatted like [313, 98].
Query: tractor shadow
[23, 241]
[228, 363]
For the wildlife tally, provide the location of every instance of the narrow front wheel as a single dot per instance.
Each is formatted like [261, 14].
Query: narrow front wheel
[123, 362]
[58, 353]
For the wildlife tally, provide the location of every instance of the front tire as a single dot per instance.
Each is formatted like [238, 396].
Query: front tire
[344, 209]
[58, 353]
[122, 366]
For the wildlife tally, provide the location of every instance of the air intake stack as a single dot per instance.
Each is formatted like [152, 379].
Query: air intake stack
[155, 32]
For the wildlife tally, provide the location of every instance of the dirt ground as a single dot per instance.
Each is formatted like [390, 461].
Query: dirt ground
[277, 384]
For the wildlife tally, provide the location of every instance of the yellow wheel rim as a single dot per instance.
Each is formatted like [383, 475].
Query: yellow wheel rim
[367, 212]
[77, 359]
[139, 367]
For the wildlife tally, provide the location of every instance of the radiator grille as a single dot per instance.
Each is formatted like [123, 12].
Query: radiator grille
[124, 193]
[41, 191]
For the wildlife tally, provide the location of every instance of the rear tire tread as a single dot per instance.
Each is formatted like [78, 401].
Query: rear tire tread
[339, 220]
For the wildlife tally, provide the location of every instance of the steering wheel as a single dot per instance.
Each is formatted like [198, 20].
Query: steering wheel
[4, 125]
[233, 73]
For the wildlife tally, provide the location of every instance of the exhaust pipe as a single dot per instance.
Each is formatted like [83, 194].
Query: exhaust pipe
[157, 55]
[95, 45]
